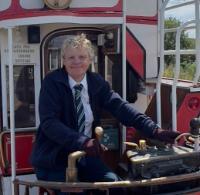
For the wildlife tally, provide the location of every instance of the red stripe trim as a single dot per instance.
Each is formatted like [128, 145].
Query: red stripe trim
[135, 54]
[151, 20]
[35, 13]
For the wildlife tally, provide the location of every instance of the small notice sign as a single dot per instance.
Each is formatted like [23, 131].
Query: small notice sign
[23, 54]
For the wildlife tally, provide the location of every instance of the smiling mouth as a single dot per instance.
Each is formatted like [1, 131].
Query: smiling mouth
[76, 67]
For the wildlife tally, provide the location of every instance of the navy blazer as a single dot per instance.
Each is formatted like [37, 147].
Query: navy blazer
[57, 135]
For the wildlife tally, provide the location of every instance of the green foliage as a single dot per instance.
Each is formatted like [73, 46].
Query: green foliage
[169, 72]
[187, 71]
[188, 67]
[170, 38]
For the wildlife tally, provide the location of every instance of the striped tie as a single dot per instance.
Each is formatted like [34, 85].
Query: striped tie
[79, 108]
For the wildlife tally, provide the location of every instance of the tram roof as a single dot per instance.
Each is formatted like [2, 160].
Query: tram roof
[21, 12]
[11, 22]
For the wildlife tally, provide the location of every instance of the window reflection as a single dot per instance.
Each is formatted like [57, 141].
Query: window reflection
[54, 52]
[24, 99]
[54, 58]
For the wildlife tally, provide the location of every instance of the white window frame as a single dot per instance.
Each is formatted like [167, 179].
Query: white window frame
[37, 85]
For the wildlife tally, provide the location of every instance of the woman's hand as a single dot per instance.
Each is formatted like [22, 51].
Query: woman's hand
[165, 135]
[92, 147]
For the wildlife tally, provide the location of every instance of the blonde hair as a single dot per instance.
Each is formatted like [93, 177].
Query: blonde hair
[79, 41]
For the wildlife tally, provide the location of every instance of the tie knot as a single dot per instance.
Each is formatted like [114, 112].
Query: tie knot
[78, 87]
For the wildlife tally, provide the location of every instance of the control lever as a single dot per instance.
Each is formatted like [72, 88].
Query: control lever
[99, 136]
[194, 130]
[132, 144]
[99, 133]
[142, 145]
[72, 171]
[193, 135]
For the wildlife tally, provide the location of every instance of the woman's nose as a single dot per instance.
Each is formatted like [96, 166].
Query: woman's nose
[77, 60]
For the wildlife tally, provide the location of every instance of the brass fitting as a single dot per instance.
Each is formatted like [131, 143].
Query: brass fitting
[132, 144]
[99, 133]
[142, 144]
[71, 171]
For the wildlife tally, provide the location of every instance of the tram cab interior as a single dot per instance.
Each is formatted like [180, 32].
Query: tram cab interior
[36, 52]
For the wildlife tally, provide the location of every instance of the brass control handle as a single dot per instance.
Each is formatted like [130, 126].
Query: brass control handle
[132, 144]
[99, 136]
[142, 144]
[99, 133]
[71, 171]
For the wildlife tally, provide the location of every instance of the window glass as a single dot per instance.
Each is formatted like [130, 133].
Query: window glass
[24, 96]
[54, 52]
[4, 4]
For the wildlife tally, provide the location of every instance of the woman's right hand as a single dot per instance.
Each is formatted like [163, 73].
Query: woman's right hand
[92, 147]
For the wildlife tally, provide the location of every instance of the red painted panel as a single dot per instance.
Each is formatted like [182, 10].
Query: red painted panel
[135, 54]
[23, 143]
[186, 111]
[130, 134]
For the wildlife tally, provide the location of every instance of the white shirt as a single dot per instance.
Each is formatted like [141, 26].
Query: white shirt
[89, 118]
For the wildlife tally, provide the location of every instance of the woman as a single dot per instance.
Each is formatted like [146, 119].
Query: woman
[70, 102]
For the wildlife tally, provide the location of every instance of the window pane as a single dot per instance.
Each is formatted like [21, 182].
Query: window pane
[24, 99]
[54, 59]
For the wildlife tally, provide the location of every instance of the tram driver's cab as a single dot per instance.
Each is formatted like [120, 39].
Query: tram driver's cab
[34, 56]
[107, 61]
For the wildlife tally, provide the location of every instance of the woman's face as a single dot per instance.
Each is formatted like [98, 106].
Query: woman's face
[76, 62]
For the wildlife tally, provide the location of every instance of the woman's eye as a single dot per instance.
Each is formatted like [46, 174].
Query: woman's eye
[82, 57]
[71, 58]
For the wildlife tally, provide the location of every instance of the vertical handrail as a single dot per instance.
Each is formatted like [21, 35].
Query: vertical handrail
[197, 18]
[160, 74]
[177, 65]
[124, 64]
[11, 99]
[176, 73]
[124, 50]
[175, 80]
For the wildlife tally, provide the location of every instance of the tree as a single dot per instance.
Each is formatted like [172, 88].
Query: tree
[185, 43]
